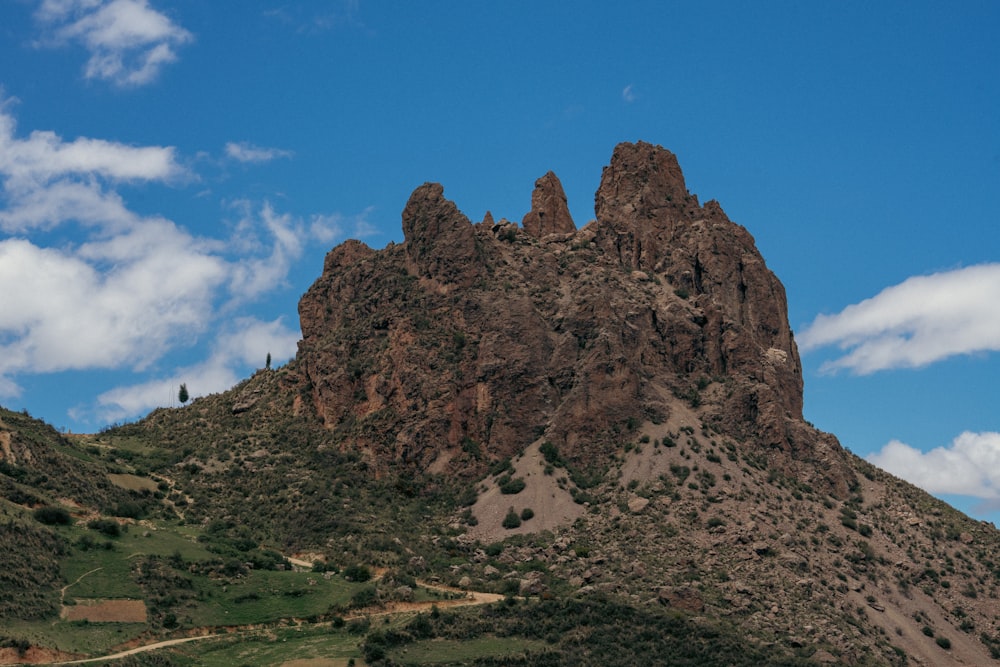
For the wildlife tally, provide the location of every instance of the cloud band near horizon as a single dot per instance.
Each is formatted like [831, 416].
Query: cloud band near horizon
[922, 320]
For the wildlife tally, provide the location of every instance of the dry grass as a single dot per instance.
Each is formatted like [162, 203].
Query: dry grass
[106, 611]
[132, 482]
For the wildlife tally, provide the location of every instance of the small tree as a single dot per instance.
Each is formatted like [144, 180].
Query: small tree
[183, 395]
[267, 364]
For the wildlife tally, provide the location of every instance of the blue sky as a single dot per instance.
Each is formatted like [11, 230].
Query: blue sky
[173, 171]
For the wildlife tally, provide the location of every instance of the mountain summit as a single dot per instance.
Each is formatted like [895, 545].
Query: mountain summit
[468, 342]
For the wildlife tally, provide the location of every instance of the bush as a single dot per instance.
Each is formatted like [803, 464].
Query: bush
[527, 513]
[511, 486]
[52, 516]
[943, 642]
[550, 453]
[512, 520]
[365, 597]
[357, 573]
[129, 509]
[108, 527]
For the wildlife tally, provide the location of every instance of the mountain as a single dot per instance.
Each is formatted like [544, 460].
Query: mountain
[489, 336]
[604, 419]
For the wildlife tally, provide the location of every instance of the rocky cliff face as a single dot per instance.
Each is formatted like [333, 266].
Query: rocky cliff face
[468, 342]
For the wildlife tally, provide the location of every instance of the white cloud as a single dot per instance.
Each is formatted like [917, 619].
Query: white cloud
[116, 299]
[128, 41]
[121, 290]
[259, 274]
[969, 466]
[628, 94]
[44, 157]
[63, 310]
[246, 152]
[245, 344]
[917, 322]
[49, 206]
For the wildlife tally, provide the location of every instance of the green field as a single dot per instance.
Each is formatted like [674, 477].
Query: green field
[273, 647]
[264, 597]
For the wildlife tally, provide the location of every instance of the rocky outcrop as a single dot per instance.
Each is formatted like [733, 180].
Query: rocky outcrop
[549, 212]
[466, 343]
[440, 242]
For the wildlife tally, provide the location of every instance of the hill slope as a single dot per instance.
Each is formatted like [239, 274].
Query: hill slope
[608, 418]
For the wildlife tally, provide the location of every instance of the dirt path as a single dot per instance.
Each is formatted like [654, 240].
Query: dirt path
[471, 598]
[62, 591]
[138, 649]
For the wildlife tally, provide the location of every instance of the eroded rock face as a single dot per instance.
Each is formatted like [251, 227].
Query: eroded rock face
[440, 241]
[549, 212]
[466, 343]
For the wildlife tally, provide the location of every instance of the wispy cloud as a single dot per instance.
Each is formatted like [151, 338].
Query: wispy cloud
[120, 290]
[920, 321]
[328, 228]
[304, 18]
[969, 466]
[259, 273]
[128, 41]
[628, 94]
[246, 152]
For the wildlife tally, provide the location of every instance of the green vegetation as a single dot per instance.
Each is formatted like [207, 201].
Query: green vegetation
[511, 486]
[594, 631]
[29, 570]
[511, 520]
[52, 516]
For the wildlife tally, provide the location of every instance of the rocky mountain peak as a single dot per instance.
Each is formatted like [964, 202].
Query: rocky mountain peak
[549, 212]
[467, 343]
[440, 242]
[641, 178]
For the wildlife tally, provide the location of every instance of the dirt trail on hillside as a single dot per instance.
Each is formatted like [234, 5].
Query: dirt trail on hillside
[471, 598]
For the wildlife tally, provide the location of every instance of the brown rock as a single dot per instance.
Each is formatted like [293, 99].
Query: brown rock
[686, 598]
[460, 336]
[440, 242]
[549, 212]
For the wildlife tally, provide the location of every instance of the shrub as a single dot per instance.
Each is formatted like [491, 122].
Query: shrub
[943, 642]
[108, 527]
[129, 509]
[52, 516]
[512, 520]
[511, 485]
[357, 573]
[365, 597]
[550, 453]
[527, 513]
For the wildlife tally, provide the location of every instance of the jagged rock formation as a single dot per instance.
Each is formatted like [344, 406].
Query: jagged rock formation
[549, 212]
[469, 341]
